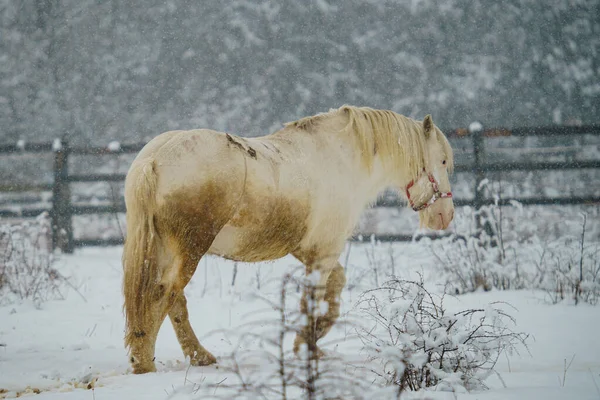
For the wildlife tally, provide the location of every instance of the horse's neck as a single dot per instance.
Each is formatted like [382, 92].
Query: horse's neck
[328, 145]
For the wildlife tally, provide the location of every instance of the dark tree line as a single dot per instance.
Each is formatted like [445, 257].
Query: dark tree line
[119, 70]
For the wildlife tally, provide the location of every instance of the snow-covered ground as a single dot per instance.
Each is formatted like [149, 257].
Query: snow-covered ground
[61, 347]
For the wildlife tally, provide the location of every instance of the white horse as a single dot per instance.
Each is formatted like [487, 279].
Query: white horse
[298, 191]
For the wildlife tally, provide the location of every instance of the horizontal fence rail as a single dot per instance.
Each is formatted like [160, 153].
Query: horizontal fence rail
[63, 209]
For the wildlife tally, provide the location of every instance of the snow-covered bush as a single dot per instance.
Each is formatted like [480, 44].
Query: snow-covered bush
[491, 254]
[484, 256]
[570, 270]
[417, 343]
[26, 262]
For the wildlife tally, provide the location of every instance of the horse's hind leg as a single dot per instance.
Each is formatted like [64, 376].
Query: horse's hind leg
[192, 237]
[178, 261]
[190, 345]
[142, 338]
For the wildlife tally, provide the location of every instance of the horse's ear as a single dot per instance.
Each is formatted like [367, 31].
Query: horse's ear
[427, 126]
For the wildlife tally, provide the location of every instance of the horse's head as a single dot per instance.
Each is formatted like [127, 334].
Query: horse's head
[429, 193]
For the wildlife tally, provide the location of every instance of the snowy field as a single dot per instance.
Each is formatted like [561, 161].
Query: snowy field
[72, 348]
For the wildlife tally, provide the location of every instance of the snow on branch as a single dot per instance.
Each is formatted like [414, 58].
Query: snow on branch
[416, 343]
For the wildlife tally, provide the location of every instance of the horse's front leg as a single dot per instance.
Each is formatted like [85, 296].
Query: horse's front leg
[333, 292]
[329, 288]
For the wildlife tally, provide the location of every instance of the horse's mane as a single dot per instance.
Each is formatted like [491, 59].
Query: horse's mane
[396, 139]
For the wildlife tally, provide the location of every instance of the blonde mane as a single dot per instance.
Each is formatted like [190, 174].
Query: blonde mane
[399, 141]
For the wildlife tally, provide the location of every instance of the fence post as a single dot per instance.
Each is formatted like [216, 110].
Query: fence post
[476, 132]
[62, 225]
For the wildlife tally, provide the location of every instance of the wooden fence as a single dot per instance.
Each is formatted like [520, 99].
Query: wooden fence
[62, 209]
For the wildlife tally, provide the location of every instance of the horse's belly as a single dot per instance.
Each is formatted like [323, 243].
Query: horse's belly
[250, 245]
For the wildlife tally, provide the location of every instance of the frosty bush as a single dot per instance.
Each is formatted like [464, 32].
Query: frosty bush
[26, 260]
[569, 269]
[566, 268]
[483, 258]
[418, 344]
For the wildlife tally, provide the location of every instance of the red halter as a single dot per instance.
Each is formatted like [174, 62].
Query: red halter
[435, 197]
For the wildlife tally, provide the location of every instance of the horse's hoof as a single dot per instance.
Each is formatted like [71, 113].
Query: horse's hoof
[144, 369]
[203, 359]
[317, 354]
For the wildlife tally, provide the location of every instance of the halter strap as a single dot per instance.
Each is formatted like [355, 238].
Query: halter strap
[435, 197]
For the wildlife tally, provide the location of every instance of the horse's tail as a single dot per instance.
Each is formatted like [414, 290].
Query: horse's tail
[140, 263]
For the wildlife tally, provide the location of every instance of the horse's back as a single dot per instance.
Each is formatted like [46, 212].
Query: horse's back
[197, 175]
[192, 159]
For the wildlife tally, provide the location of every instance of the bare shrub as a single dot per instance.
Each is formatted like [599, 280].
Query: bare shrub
[26, 262]
[417, 344]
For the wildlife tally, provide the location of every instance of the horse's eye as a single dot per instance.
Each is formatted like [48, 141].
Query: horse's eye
[444, 162]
